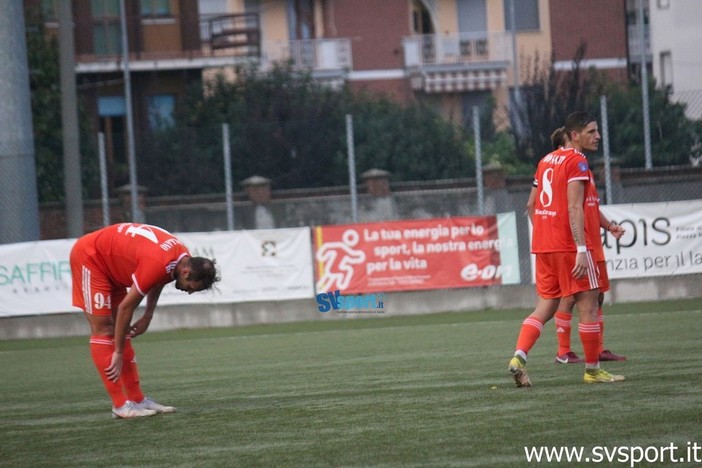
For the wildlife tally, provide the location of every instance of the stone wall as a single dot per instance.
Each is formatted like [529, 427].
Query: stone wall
[260, 206]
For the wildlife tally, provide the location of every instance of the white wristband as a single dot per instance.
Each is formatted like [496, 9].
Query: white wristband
[581, 249]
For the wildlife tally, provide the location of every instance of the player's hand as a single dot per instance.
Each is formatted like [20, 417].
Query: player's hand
[139, 327]
[617, 231]
[115, 367]
[580, 268]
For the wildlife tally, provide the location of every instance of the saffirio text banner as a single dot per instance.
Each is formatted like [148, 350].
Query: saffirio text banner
[35, 277]
[419, 254]
[661, 239]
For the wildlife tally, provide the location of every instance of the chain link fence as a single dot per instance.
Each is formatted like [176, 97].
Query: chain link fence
[310, 173]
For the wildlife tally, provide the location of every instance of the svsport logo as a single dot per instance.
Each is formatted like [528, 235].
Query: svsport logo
[363, 303]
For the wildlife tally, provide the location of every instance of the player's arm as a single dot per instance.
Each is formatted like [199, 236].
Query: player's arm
[125, 312]
[141, 325]
[531, 203]
[610, 226]
[576, 220]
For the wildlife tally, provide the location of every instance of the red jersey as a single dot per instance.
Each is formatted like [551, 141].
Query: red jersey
[555, 171]
[136, 253]
[592, 221]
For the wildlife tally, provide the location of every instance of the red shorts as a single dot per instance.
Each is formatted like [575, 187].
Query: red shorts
[554, 278]
[604, 277]
[93, 292]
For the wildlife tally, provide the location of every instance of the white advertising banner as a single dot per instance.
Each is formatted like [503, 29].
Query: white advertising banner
[661, 239]
[258, 265]
[35, 277]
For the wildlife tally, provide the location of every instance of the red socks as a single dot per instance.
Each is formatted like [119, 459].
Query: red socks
[101, 349]
[130, 374]
[590, 337]
[600, 320]
[530, 332]
[563, 328]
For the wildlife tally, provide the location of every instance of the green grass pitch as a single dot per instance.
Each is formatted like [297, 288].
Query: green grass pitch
[427, 390]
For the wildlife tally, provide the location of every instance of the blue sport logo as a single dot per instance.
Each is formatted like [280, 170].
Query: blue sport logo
[334, 300]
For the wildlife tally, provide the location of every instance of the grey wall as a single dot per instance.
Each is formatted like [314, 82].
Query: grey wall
[401, 303]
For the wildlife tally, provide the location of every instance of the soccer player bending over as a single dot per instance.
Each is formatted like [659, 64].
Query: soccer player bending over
[113, 269]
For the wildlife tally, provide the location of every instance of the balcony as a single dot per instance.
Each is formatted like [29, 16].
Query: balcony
[164, 44]
[237, 34]
[223, 40]
[326, 59]
[456, 63]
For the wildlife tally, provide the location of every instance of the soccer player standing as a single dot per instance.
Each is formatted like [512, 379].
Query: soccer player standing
[564, 314]
[564, 263]
[104, 264]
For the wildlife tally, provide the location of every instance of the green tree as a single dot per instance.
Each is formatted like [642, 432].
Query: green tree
[547, 100]
[673, 136]
[44, 82]
[283, 125]
[412, 142]
[286, 126]
[551, 96]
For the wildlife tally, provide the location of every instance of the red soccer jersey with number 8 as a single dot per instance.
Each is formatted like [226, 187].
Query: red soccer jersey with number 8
[555, 171]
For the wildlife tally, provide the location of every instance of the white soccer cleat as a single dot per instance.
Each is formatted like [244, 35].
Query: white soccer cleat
[150, 404]
[131, 410]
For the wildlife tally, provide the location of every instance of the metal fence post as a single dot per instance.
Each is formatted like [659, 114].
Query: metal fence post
[605, 148]
[103, 180]
[137, 215]
[644, 89]
[228, 177]
[478, 161]
[352, 168]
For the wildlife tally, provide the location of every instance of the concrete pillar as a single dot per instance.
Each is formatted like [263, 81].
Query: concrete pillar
[494, 177]
[377, 182]
[19, 203]
[124, 193]
[258, 189]
[497, 198]
[598, 170]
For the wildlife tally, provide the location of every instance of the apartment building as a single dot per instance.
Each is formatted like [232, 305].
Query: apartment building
[677, 62]
[170, 44]
[452, 54]
[600, 26]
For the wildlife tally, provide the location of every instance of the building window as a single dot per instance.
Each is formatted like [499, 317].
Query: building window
[472, 16]
[421, 19]
[107, 35]
[111, 106]
[107, 38]
[301, 17]
[112, 111]
[49, 9]
[666, 68]
[103, 8]
[155, 8]
[161, 111]
[526, 15]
